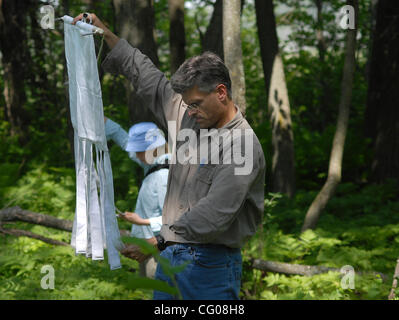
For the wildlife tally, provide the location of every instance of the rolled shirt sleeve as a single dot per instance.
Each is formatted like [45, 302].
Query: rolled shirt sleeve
[113, 131]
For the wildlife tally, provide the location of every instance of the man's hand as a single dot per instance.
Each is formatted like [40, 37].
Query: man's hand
[132, 251]
[95, 21]
[110, 38]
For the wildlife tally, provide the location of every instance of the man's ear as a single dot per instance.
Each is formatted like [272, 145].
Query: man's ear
[221, 92]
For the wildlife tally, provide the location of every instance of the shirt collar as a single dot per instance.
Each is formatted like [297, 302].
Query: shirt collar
[238, 118]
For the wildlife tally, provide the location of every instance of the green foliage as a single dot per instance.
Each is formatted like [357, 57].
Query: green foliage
[359, 227]
[52, 191]
[46, 190]
[76, 277]
[167, 268]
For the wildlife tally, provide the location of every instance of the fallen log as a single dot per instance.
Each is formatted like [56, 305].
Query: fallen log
[290, 269]
[303, 270]
[18, 214]
[25, 233]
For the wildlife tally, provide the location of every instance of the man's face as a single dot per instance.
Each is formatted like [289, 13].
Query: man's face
[209, 111]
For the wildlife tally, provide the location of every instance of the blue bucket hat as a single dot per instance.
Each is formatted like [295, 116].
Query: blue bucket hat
[144, 136]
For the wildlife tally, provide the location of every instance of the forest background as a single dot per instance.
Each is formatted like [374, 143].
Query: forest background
[330, 123]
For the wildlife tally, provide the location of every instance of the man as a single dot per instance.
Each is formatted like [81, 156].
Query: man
[210, 209]
[146, 146]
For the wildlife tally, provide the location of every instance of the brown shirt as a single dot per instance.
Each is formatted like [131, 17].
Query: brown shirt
[205, 202]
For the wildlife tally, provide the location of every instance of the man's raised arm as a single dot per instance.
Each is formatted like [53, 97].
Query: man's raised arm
[150, 83]
[110, 38]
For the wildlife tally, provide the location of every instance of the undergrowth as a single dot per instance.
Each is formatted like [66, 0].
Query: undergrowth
[359, 228]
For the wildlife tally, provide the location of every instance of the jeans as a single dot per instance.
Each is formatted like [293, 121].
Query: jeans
[213, 272]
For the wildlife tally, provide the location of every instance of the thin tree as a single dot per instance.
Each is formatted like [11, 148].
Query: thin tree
[395, 281]
[382, 116]
[325, 100]
[15, 59]
[135, 23]
[177, 38]
[335, 166]
[212, 40]
[233, 49]
[283, 163]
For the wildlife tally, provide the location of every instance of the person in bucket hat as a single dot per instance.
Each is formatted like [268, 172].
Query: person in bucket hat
[146, 145]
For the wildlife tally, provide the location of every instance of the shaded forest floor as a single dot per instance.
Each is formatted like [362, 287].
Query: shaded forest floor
[360, 228]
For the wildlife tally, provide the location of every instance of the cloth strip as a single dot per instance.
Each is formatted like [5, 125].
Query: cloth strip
[95, 226]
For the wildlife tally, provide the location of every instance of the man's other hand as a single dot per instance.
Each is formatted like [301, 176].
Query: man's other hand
[133, 251]
[134, 218]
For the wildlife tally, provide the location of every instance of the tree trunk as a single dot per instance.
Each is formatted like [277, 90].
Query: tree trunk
[177, 36]
[135, 23]
[233, 50]
[15, 58]
[335, 166]
[69, 128]
[395, 282]
[372, 23]
[323, 108]
[267, 33]
[321, 45]
[100, 8]
[283, 163]
[213, 38]
[382, 117]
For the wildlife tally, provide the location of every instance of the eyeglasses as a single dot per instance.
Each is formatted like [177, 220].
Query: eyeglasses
[194, 106]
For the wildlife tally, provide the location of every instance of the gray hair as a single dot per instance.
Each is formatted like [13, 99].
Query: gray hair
[206, 71]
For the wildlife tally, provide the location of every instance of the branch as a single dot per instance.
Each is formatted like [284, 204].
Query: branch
[303, 270]
[18, 214]
[24, 233]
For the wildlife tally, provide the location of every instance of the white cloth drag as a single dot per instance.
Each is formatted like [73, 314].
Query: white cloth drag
[95, 226]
